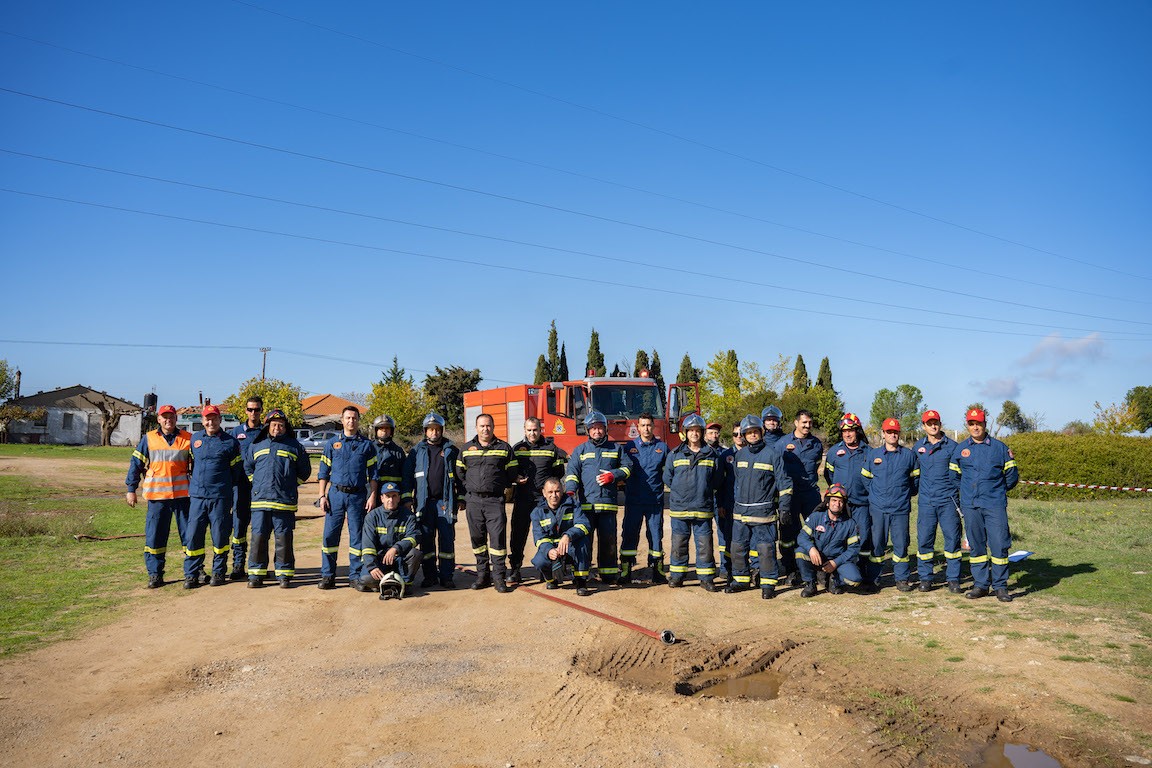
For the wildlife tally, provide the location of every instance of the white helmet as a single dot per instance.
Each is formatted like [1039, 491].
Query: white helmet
[392, 586]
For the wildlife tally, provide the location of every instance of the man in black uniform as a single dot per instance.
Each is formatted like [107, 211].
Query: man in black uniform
[539, 458]
[486, 468]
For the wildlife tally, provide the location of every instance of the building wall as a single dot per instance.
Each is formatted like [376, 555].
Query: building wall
[74, 427]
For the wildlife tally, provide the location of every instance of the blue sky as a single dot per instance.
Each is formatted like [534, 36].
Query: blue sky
[953, 197]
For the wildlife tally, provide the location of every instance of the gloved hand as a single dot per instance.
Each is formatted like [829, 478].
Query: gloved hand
[605, 478]
[785, 515]
[571, 494]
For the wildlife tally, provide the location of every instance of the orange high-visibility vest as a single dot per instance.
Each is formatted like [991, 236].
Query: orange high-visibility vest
[168, 467]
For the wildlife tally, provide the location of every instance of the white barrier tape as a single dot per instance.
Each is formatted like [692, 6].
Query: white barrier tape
[1089, 487]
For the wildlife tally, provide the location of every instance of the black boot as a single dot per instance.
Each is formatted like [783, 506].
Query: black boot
[809, 589]
[581, 586]
[767, 593]
[155, 580]
[707, 585]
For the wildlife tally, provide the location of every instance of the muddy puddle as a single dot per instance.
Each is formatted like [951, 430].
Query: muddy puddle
[1001, 755]
[758, 685]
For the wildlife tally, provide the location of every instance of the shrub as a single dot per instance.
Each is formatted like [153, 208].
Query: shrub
[1091, 459]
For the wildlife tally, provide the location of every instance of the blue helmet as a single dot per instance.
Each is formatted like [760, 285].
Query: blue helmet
[433, 419]
[751, 422]
[693, 421]
[595, 417]
[772, 412]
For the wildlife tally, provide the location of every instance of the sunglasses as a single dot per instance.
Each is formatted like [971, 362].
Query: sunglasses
[253, 410]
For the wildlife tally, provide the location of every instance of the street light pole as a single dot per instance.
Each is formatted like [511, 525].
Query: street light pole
[264, 364]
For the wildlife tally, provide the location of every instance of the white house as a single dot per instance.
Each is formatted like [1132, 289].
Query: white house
[73, 419]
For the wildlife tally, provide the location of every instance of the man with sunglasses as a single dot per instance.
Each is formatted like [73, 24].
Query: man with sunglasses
[242, 496]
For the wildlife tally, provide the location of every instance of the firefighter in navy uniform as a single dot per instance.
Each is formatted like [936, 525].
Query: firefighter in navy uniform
[431, 487]
[725, 500]
[347, 491]
[276, 465]
[892, 474]
[216, 468]
[693, 473]
[539, 458]
[644, 502]
[763, 498]
[560, 529]
[389, 455]
[242, 497]
[593, 470]
[828, 546]
[391, 541]
[160, 468]
[937, 504]
[843, 465]
[487, 467]
[802, 453]
[987, 471]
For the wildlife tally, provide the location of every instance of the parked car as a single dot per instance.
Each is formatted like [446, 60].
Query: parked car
[315, 442]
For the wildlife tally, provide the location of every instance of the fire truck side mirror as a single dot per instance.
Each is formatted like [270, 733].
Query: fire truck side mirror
[673, 407]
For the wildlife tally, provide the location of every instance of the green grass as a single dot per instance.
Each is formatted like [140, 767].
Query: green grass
[954, 659]
[1121, 697]
[1067, 657]
[89, 452]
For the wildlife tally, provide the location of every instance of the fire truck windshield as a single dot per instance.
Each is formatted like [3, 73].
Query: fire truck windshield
[627, 401]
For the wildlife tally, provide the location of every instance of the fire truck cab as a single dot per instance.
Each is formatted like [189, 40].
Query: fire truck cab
[562, 405]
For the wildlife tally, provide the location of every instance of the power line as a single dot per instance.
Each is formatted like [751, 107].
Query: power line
[888, 306]
[688, 140]
[727, 300]
[576, 174]
[559, 209]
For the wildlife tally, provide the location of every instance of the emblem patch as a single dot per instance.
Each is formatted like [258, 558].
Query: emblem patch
[791, 446]
[661, 450]
[336, 445]
[965, 453]
[921, 449]
[198, 443]
[731, 459]
[820, 528]
[841, 452]
[877, 460]
[558, 429]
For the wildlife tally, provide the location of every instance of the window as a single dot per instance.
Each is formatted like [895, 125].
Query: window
[67, 425]
[627, 401]
[41, 422]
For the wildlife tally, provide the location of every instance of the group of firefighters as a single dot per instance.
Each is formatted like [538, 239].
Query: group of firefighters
[762, 493]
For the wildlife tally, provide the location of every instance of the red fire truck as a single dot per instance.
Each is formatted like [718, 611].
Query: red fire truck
[562, 405]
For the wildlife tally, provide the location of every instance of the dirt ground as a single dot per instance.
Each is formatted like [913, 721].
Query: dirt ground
[302, 677]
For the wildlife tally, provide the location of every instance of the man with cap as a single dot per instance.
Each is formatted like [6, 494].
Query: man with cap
[987, 471]
[487, 468]
[160, 469]
[276, 465]
[216, 468]
[644, 501]
[937, 504]
[539, 458]
[892, 475]
[802, 452]
[242, 496]
[593, 470]
[843, 465]
[389, 455]
[763, 498]
[829, 545]
[431, 487]
[347, 491]
[391, 541]
[725, 499]
[560, 529]
[693, 474]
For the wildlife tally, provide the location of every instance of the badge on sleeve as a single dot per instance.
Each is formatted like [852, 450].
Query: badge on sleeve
[877, 460]
[965, 453]
[336, 446]
[791, 446]
[921, 449]
[199, 443]
[841, 452]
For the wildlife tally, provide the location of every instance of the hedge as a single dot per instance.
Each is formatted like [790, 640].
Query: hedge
[1090, 459]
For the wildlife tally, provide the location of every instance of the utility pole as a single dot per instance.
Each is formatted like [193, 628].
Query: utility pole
[264, 364]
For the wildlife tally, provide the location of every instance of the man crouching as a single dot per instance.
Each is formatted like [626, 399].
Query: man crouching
[829, 544]
[560, 527]
[389, 546]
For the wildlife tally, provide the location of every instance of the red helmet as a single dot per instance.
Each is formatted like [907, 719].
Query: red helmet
[837, 490]
[850, 421]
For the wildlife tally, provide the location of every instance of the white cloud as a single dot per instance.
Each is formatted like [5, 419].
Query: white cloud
[1055, 357]
[1004, 388]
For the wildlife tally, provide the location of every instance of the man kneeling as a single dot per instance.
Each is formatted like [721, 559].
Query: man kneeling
[560, 528]
[829, 541]
[389, 546]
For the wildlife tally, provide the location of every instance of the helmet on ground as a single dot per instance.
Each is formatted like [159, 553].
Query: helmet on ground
[850, 421]
[693, 421]
[836, 490]
[750, 422]
[391, 586]
[383, 421]
[772, 412]
[595, 417]
[433, 419]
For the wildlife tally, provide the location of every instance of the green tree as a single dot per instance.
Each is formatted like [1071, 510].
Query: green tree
[641, 363]
[7, 381]
[445, 390]
[1139, 400]
[562, 371]
[542, 373]
[827, 407]
[1077, 428]
[396, 374]
[276, 393]
[824, 377]
[1115, 419]
[402, 401]
[720, 392]
[688, 372]
[595, 361]
[800, 380]
[905, 404]
[1012, 418]
[616, 370]
[553, 362]
[658, 376]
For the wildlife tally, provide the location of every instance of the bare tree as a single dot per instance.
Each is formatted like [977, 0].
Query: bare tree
[110, 416]
[10, 413]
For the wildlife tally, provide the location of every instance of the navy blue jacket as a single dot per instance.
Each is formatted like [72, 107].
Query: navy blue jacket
[415, 486]
[588, 461]
[348, 461]
[726, 496]
[548, 524]
[843, 466]
[276, 467]
[538, 463]
[693, 480]
[893, 478]
[646, 483]
[835, 540]
[762, 485]
[938, 483]
[216, 465]
[384, 530]
[389, 462]
[987, 472]
[802, 457]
